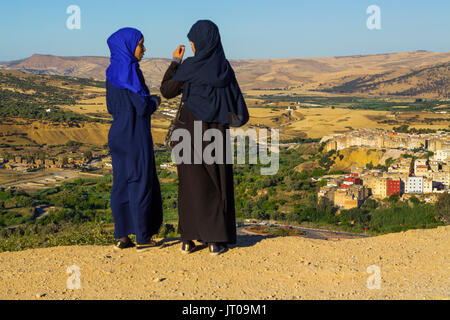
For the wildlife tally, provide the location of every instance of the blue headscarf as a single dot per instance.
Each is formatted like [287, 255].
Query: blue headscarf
[124, 71]
[211, 91]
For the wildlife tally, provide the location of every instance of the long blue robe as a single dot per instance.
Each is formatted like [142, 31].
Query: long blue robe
[136, 202]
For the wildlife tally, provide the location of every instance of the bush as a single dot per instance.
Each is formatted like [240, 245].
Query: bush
[65, 234]
[402, 217]
[167, 231]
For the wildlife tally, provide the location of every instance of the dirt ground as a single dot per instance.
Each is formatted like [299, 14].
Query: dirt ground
[409, 265]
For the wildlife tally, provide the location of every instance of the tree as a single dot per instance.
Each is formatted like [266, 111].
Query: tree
[356, 216]
[369, 204]
[88, 154]
[442, 208]
[322, 183]
[429, 154]
[393, 198]
[388, 162]
[317, 172]
[291, 183]
[414, 200]
[23, 201]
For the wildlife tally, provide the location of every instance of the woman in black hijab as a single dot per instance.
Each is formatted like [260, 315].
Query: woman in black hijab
[211, 96]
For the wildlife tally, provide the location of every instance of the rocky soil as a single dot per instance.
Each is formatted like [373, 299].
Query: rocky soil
[412, 265]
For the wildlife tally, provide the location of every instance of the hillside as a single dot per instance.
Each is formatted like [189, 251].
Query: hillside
[417, 73]
[428, 81]
[413, 265]
[83, 67]
[33, 96]
[359, 157]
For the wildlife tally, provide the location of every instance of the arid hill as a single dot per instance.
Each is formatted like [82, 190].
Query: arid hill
[417, 73]
[408, 265]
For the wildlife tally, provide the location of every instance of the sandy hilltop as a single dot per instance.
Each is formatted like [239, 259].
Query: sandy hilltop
[412, 265]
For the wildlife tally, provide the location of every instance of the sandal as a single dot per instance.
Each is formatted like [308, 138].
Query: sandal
[124, 244]
[146, 246]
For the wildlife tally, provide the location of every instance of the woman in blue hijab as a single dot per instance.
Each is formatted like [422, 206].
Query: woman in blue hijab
[211, 97]
[136, 202]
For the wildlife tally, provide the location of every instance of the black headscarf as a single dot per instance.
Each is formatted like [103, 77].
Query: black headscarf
[211, 91]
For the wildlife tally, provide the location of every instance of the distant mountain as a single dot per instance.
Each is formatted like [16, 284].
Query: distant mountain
[84, 67]
[427, 81]
[405, 74]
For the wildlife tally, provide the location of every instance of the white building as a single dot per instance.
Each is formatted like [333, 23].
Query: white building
[442, 155]
[414, 185]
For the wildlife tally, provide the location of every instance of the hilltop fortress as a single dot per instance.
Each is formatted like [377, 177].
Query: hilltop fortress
[439, 142]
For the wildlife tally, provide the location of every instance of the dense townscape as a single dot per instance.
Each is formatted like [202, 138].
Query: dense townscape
[406, 175]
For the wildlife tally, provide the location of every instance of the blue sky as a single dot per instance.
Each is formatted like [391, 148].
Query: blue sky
[250, 29]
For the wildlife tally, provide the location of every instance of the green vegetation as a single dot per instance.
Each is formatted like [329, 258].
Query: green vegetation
[406, 129]
[49, 235]
[275, 231]
[443, 208]
[300, 140]
[350, 102]
[34, 98]
[292, 196]
[390, 216]
[79, 211]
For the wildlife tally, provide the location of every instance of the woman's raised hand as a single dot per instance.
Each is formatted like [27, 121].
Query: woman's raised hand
[179, 52]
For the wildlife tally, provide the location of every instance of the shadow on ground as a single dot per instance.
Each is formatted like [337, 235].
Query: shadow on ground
[243, 240]
[249, 240]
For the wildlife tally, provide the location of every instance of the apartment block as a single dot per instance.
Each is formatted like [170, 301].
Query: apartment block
[394, 187]
[414, 185]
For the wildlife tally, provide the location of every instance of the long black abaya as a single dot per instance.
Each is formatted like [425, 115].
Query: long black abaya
[205, 192]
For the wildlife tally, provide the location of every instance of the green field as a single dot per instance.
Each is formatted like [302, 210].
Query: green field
[355, 103]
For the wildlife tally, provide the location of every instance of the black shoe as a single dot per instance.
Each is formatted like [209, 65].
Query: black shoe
[217, 248]
[124, 243]
[187, 247]
[140, 247]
